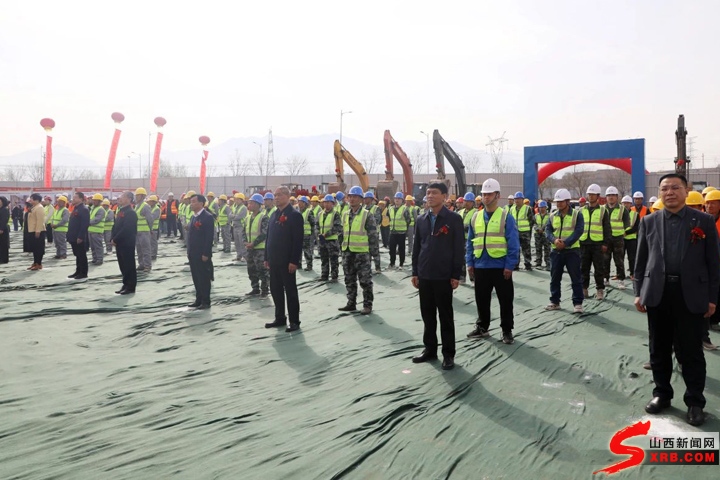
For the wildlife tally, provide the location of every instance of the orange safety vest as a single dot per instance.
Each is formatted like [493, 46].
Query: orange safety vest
[642, 212]
[163, 212]
[173, 207]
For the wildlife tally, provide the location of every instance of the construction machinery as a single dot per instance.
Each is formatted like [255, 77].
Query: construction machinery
[343, 155]
[388, 187]
[443, 150]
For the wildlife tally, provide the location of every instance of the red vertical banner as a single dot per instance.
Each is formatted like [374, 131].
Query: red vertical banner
[160, 122]
[48, 124]
[204, 141]
[118, 118]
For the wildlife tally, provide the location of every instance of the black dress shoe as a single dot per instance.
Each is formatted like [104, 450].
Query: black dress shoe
[293, 327]
[448, 363]
[348, 308]
[276, 324]
[204, 306]
[657, 405]
[695, 416]
[194, 305]
[127, 291]
[73, 275]
[425, 356]
[80, 277]
[253, 293]
[121, 290]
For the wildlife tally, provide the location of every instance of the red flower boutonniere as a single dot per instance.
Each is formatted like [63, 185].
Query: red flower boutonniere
[282, 219]
[75, 214]
[121, 215]
[696, 234]
[197, 225]
[444, 230]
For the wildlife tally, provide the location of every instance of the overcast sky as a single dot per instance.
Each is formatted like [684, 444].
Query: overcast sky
[545, 72]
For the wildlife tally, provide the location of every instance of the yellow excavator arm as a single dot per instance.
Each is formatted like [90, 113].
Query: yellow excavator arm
[342, 154]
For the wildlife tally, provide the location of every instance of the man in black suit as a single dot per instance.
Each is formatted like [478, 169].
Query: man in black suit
[201, 232]
[677, 276]
[283, 250]
[77, 235]
[123, 235]
[437, 263]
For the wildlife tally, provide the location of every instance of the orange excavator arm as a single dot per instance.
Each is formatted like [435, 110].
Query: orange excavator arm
[393, 149]
[342, 154]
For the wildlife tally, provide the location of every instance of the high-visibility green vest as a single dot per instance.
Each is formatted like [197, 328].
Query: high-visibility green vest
[156, 223]
[327, 224]
[9, 216]
[467, 216]
[490, 236]
[47, 210]
[616, 221]
[413, 214]
[271, 211]
[142, 225]
[213, 206]
[100, 226]
[307, 228]
[562, 229]
[372, 209]
[521, 217]
[633, 216]
[188, 214]
[109, 222]
[341, 208]
[316, 211]
[543, 218]
[397, 219]
[222, 218]
[253, 227]
[593, 224]
[57, 217]
[355, 237]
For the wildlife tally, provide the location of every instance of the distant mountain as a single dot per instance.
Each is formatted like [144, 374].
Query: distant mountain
[62, 157]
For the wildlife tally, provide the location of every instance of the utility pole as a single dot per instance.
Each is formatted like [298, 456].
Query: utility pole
[271, 154]
[497, 146]
[681, 160]
[341, 115]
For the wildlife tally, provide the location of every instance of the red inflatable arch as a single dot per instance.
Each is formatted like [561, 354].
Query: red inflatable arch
[549, 169]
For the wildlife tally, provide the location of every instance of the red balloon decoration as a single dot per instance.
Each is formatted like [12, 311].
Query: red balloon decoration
[204, 140]
[47, 123]
[118, 117]
[160, 121]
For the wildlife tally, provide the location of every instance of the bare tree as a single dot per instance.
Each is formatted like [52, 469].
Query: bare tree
[417, 159]
[14, 173]
[577, 180]
[171, 169]
[472, 162]
[295, 165]
[260, 165]
[238, 167]
[547, 187]
[372, 161]
[620, 180]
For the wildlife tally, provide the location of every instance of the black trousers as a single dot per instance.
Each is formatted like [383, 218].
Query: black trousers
[384, 234]
[202, 276]
[38, 248]
[48, 233]
[5, 246]
[126, 262]
[397, 247]
[631, 250]
[485, 280]
[436, 300]
[672, 323]
[592, 255]
[81, 263]
[283, 284]
[171, 225]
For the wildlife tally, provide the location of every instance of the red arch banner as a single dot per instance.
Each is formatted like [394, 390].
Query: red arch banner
[548, 169]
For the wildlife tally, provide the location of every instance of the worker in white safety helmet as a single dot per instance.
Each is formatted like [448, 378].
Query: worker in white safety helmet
[594, 242]
[563, 229]
[491, 256]
[639, 207]
[619, 223]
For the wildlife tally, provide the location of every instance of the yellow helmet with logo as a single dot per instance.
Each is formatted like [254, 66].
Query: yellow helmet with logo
[315, 199]
[190, 193]
[106, 202]
[211, 194]
[141, 191]
[152, 198]
[223, 197]
[712, 195]
[707, 190]
[409, 197]
[239, 195]
[97, 196]
[63, 198]
[658, 205]
[694, 198]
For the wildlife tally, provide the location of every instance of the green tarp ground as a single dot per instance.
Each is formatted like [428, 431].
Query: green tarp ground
[94, 385]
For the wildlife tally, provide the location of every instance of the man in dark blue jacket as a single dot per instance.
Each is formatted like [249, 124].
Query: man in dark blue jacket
[201, 233]
[437, 264]
[77, 235]
[283, 250]
[123, 235]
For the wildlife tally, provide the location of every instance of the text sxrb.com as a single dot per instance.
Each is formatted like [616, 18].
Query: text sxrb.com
[677, 448]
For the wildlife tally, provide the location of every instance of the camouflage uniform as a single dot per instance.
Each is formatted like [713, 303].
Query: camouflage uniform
[542, 246]
[329, 249]
[467, 216]
[238, 215]
[308, 236]
[525, 237]
[356, 265]
[617, 240]
[256, 257]
[377, 215]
